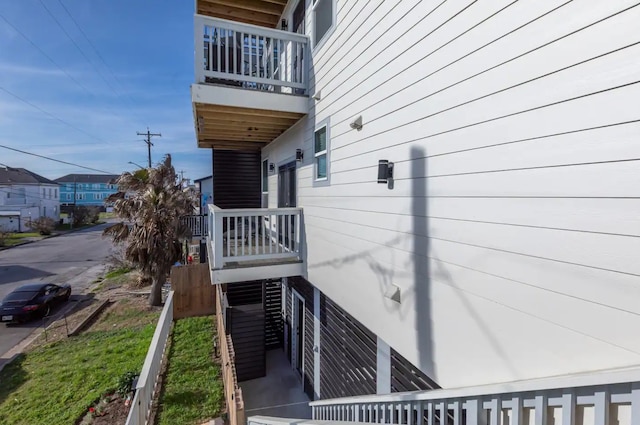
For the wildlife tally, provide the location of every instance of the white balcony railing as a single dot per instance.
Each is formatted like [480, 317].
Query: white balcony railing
[197, 224]
[250, 56]
[254, 236]
[598, 398]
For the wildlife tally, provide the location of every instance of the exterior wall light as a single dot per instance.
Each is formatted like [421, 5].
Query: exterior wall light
[385, 171]
[272, 167]
[357, 123]
[299, 155]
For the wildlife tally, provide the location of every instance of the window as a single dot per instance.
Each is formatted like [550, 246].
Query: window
[55, 193]
[79, 186]
[265, 176]
[96, 186]
[323, 19]
[68, 196]
[69, 186]
[44, 193]
[50, 193]
[80, 196]
[97, 196]
[321, 150]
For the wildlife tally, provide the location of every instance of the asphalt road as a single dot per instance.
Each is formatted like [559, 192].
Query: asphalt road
[76, 258]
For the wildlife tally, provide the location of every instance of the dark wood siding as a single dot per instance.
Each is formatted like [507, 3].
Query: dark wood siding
[236, 179]
[273, 314]
[247, 333]
[347, 355]
[407, 377]
[242, 293]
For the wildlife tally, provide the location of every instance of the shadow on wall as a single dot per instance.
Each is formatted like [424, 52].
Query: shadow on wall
[421, 273]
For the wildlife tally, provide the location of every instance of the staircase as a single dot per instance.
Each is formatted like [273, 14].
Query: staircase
[598, 398]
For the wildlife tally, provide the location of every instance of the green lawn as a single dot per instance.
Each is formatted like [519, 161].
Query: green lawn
[16, 238]
[193, 389]
[117, 272]
[105, 215]
[56, 384]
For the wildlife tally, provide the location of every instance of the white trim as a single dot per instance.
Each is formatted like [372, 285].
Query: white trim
[243, 274]
[254, 99]
[326, 152]
[317, 44]
[295, 294]
[316, 343]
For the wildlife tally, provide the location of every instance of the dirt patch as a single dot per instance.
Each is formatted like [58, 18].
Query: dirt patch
[111, 410]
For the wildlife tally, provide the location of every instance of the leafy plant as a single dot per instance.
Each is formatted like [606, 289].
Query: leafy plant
[125, 383]
[42, 225]
[150, 204]
[3, 236]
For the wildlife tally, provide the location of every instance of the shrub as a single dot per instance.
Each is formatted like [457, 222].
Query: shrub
[93, 215]
[42, 225]
[3, 236]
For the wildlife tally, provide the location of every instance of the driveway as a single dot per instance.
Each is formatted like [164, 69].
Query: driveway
[76, 258]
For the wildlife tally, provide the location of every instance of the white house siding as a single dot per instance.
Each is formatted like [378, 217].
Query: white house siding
[35, 204]
[512, 228]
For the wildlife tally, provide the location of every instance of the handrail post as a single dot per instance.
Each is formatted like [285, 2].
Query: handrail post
[198, 65]
[217, 237]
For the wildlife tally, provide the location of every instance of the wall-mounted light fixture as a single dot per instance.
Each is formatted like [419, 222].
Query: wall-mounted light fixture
[299, 155]
[385, 171]
[393, 293]
[272, 167]
[317, 95]
[283, 25]
[357, 123]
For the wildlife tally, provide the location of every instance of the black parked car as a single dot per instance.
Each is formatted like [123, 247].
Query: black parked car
[32, 300]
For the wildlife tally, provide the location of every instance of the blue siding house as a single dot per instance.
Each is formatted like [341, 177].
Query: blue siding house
[89, 189]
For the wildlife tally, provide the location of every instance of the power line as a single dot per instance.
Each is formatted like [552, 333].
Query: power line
[80, 50]
[51, 115]
[149, 135]
[55, 160]
[95, 50]
[43, 53]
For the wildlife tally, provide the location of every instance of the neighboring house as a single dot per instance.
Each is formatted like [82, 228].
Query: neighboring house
[204, 188]
[448, 193]
[87, 189]
[26, 196]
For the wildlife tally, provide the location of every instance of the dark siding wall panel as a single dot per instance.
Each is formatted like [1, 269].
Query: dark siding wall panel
[273, 315]
[348, 354]
[407, 377]
[247, 332]
[236, 179]
[305, 289]
[243, 293]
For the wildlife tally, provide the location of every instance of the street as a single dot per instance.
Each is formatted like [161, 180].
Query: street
[76, 258]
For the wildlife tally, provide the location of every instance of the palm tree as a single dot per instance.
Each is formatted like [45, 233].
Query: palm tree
[150, 203]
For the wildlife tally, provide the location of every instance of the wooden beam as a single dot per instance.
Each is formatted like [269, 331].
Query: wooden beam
[202, 107]
[241, 128]
[238, 137]
[237, 14]
[247, 120]
[229, 145]
[220, 134]
[264, 124]
[252, 5]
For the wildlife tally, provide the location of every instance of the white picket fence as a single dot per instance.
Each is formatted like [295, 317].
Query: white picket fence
[145, 389]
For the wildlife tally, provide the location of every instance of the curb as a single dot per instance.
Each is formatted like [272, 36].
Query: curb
[8, 361]
[89, 318]
[66, 232]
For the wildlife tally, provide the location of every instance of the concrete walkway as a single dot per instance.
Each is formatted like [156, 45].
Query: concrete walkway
[279, 393]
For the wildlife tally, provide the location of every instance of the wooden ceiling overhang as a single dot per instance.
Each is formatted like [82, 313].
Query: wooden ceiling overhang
[265, 13]
[235, 128]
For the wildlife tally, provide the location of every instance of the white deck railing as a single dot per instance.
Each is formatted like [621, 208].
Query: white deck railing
[197, 224]
[250, 56]
[141, 404]
[243, 235]
[602, 398]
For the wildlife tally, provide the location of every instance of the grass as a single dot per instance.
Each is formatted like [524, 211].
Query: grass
[117, 272]
[55, 384]
[67, 226]
[193, 389]
[17, 238]
[105, 215]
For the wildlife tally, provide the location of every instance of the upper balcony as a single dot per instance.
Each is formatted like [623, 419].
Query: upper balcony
[251, 82]
[255, 243]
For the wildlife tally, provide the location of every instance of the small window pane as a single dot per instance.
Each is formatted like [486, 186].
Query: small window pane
[323, 18]
[321, 140]
[265, 176]
[321, 167]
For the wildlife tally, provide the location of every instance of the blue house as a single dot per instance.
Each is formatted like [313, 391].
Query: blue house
[87, 189]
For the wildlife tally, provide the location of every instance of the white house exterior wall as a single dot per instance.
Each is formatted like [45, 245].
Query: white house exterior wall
[35, 203]
[512, 228]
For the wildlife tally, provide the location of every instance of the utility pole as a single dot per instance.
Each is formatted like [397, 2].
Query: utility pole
[181, 176]
[148, 136]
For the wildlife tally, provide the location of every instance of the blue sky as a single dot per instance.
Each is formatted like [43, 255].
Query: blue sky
[148, 48]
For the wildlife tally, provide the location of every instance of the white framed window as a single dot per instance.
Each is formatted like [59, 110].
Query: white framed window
[79, 186]
[50, 193]
[96, 186]
[69, 186]
[68, 196]
[97, 196]
[80, 196]
[44, 193]
[55, 193]
[321, 147]
[324, 20]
